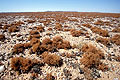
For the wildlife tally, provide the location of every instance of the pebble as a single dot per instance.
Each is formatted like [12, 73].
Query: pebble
[2, 68]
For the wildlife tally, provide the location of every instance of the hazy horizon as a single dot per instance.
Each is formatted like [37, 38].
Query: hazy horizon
[103, 6]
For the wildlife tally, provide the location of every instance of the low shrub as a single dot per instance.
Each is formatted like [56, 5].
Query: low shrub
[92, 56]
[52, 59]
[99, 22]
[50, 29]
[18, 48]
[13, 29]
[103, 41]
[90, 48]
[49, 77]
[34, 32]
[34, 41]
[34, 36]
[87, 25]
[22, 64]
[40, 28]
[116, 30]
[58, 27]
[116, 39]
[2, 37]
[100, 31]
[76, 33]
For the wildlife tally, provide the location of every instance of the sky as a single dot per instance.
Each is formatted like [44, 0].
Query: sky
[108, 6]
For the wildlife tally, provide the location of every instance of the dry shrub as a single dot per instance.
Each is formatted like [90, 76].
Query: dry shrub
[66, 29]
[116, 39]
[6, 26]
[90, 48]
[22, 64]
[13, 29]
[40, 28]
[87, 25]
[49, 77]
[2, 37]
[52, 59]
[104, 41]
[99, 22]
[27, 45]
[58, 26]
[34, 32]
[18, 48]
[34, 36]
[90, 59]
[50, 29]
[31, 21]
[92, 56]
[117, 58]
[35, 47]
[46, 41]
[34, 41]
[100, 31]
[60, 43]
[76, 33]
[102, 67]
[116, 30]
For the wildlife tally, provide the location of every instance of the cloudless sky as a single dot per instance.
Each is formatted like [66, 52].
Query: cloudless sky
[112, 6]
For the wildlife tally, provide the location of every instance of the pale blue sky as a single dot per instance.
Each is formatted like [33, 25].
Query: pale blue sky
[112, 6]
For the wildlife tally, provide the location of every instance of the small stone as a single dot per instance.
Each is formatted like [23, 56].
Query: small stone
[2, 68]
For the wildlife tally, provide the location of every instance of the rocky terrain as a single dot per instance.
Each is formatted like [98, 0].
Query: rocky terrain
[59, 46]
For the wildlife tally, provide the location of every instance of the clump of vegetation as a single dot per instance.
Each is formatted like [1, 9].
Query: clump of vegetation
[34, 41]
[22, 64]
[18, 48]
[40, 28]
[50, 29]
[104, 41]
[33, 32]
[13, 29]
[116, 39]
[92, 56]
[90, 48]
[49, 77]
[87, 25]
[116, 30]
[67, 29]
[100, 31]
[76, 33]
[34, 36]
[117, 58]
[31, 21]
[52, 59]
[58, 26]
[99, 22]
[60, 43]
[2, 37]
